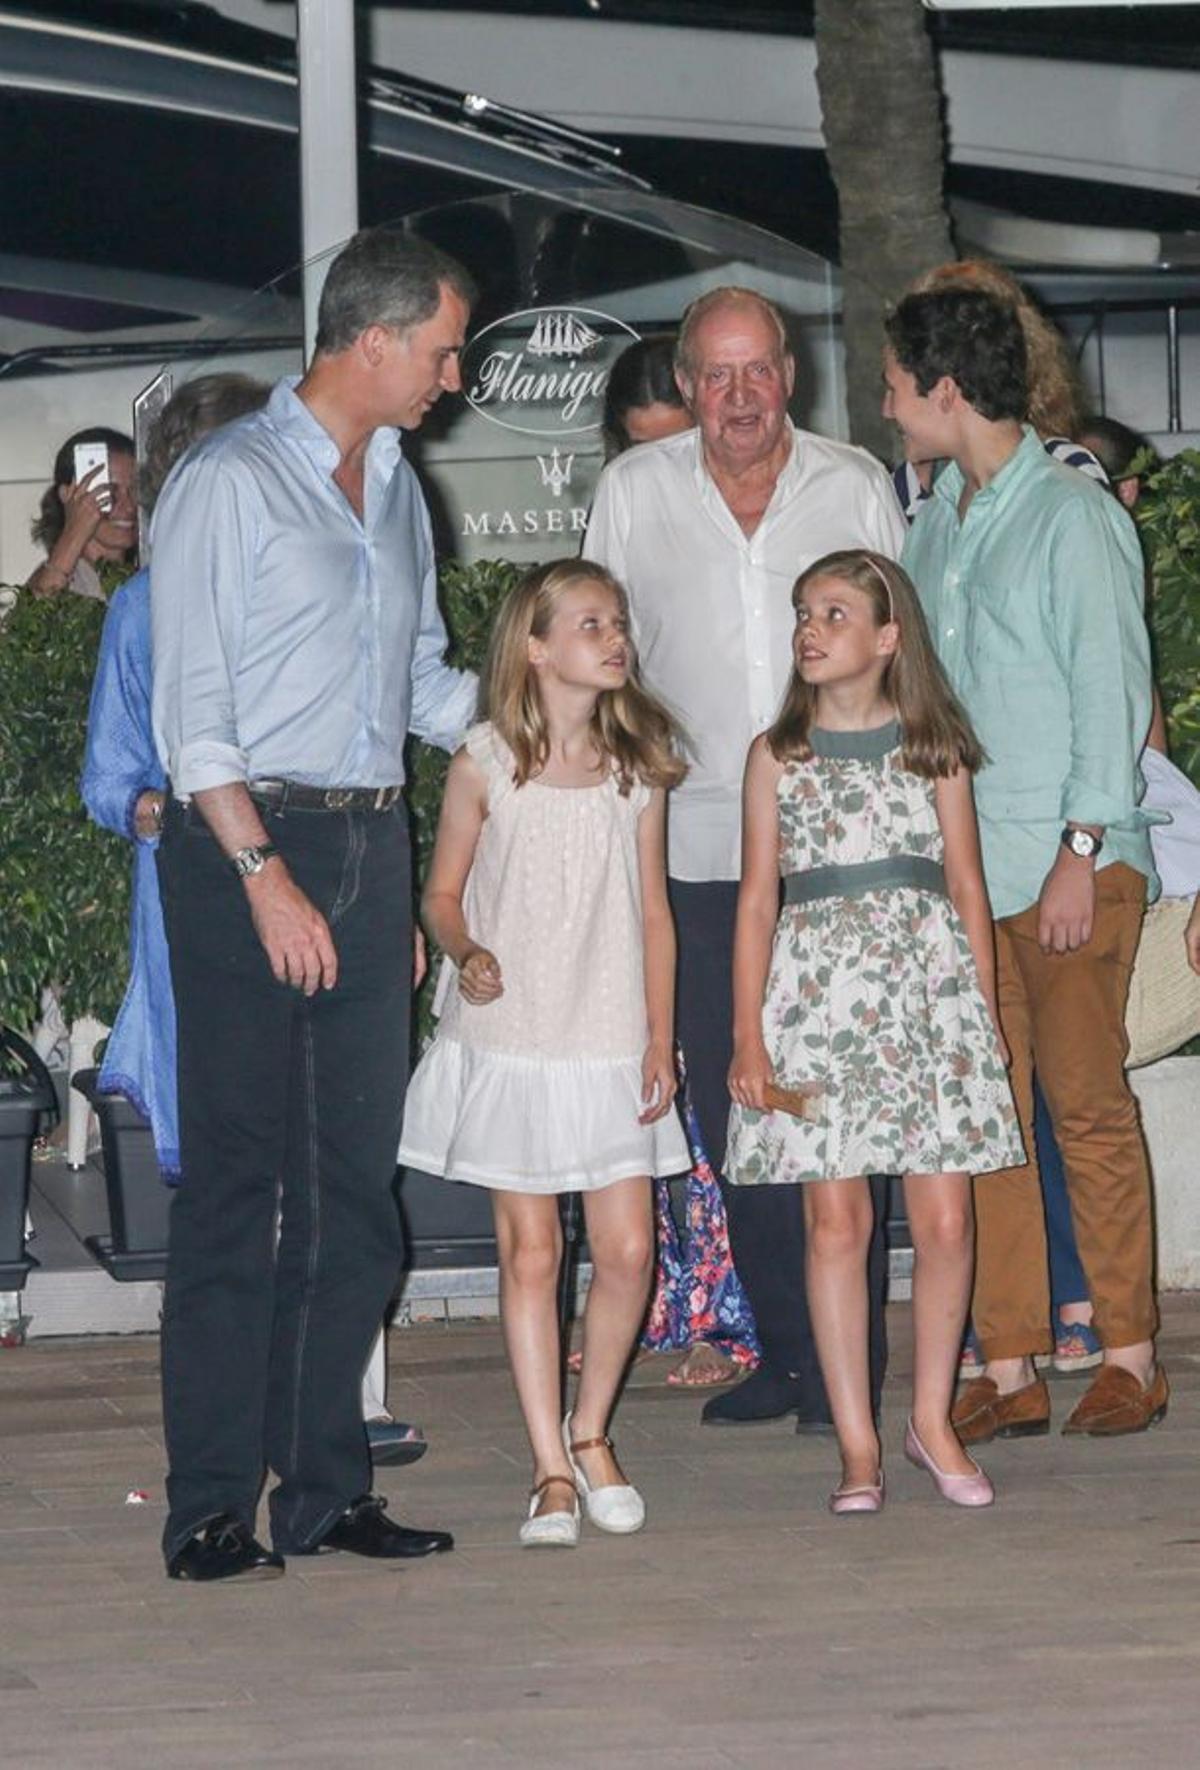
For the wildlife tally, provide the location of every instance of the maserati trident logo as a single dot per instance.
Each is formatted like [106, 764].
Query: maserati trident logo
[556, 472]
[543, 372]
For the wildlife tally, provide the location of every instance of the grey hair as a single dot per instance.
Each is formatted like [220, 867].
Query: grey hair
[201, 405]
[383, 277]
[731, 295]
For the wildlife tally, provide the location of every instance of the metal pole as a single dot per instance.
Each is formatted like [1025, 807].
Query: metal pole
[1174, 385]
[328, 142]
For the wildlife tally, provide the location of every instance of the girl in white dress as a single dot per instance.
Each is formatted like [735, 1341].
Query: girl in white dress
[552, 1067]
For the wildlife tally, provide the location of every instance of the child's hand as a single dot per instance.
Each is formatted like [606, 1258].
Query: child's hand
[749, 1073]
[479, 977]
[658, 1082]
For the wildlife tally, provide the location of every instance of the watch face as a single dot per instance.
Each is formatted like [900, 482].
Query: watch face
[247, 861]
[1082, 844]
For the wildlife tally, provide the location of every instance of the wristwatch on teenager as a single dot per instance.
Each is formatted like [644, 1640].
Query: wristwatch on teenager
[249, 861]
[1082, 843]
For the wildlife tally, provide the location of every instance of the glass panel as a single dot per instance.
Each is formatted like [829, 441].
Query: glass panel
[566, 282]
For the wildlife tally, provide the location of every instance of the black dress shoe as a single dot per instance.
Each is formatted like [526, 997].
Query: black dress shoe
[224, 1549]
[765, 1395]
[362, 1529]
[394, 1443]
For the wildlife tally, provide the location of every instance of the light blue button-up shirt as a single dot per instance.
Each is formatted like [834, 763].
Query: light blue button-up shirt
[1034, 600]
[291, 639]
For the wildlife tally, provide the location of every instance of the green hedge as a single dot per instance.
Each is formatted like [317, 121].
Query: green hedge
[64, 883]
[1168, 515]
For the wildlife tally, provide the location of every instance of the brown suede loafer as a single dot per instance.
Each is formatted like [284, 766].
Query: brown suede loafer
[981, 1413]
[1116, 1402]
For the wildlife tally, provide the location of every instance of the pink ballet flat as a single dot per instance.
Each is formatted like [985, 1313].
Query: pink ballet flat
[845, 1500]
[960, 1490]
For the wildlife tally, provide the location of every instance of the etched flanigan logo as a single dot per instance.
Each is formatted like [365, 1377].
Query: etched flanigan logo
[543, 371]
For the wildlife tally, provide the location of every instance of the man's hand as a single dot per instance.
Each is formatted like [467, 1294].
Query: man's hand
[749, 1073]
[479, 978]
[1067, 905]
[294, 934]
[420, 957]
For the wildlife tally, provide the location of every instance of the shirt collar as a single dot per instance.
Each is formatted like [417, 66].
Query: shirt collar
[789, 473]
[292, 418]
[949, 483]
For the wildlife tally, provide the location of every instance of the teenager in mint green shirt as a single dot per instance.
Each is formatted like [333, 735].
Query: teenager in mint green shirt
[1031, 580]
[1034, 598]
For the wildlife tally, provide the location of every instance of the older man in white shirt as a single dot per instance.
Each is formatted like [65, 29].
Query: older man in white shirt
[708, 531]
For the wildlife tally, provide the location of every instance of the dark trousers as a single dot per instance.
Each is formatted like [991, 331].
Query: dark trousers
[1067, 1281]
[766, 1223]
[290, 1111]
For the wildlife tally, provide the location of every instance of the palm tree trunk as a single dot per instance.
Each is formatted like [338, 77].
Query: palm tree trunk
[882, 114]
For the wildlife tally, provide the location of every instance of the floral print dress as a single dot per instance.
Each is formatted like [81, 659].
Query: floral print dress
[874, 999]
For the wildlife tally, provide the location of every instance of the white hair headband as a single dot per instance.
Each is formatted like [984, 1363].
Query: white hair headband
[883, 579]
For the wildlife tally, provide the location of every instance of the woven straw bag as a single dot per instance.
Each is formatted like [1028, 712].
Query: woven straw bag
[1163, 1010]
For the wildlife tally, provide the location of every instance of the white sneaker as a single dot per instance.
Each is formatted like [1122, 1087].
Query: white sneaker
[619, 1508]
[550, 1530]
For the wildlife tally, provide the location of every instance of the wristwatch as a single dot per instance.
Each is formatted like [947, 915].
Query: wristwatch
[249, 861]
[1082, 843]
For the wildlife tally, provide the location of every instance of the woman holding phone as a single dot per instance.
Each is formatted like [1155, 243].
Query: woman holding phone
[88, 517]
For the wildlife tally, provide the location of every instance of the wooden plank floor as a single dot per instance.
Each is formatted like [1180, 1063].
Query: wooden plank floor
[744, 1627]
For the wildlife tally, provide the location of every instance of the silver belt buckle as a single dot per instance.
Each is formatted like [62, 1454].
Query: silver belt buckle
[337, 798]
[385, 797]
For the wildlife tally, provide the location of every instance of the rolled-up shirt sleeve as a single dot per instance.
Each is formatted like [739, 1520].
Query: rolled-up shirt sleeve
[1099, 635]
[204, 546]
[443, 699]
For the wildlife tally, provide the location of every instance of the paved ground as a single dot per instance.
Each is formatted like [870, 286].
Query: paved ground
[744, 1627]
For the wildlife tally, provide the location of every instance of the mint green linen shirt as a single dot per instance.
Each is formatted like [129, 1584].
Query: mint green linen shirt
[1034, 602]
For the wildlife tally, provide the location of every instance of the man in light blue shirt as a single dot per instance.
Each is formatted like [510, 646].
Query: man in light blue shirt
[296, 642]
[1031, 579]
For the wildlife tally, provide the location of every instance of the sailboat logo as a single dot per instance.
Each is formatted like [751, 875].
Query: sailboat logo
[543, 371]
[561, 334]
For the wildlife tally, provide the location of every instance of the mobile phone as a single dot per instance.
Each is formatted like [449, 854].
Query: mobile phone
[88, 456]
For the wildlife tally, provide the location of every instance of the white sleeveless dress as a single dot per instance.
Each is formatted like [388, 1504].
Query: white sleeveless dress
[540, 1091]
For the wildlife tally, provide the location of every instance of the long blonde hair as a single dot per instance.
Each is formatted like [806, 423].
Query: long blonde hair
[935, 732]
[1054, 387]
[630, 729]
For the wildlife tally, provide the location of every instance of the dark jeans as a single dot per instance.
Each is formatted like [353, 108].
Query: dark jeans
[290, 1111]
[766, 1223]
[1067, 1281]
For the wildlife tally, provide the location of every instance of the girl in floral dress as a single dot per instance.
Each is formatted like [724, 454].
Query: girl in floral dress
[869, 998]
[552, 1070]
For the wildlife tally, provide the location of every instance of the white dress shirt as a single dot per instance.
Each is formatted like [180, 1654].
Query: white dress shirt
[712, 606]
[292, 639]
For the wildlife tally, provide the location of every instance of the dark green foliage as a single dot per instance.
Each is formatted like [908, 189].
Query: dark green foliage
[64, 883]
[1168, 515]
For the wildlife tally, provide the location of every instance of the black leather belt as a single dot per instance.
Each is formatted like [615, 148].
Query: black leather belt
[281, 794]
